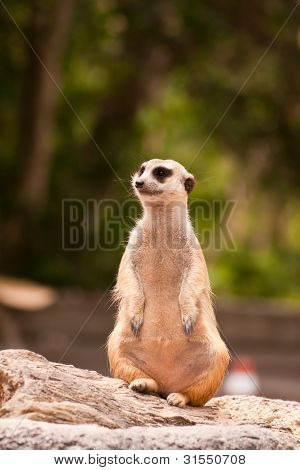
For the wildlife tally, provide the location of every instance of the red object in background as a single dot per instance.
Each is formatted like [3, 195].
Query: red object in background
[242, 378]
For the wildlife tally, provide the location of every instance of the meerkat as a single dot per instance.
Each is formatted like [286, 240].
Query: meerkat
[166, 339]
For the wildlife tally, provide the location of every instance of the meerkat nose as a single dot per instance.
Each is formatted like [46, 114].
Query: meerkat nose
[139, 184]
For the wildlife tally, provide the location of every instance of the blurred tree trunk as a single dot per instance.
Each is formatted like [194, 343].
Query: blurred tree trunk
[47, 35]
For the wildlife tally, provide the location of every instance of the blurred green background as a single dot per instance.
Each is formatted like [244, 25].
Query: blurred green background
[143, 80]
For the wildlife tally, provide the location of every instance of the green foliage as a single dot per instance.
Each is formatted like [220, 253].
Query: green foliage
[156, 79]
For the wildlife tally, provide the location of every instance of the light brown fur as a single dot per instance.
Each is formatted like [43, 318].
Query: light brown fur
[165, 338]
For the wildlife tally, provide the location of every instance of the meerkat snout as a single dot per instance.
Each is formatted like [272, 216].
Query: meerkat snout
[162, 180]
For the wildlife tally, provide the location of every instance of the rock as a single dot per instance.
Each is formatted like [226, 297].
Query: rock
[41, 402]
[28, 434]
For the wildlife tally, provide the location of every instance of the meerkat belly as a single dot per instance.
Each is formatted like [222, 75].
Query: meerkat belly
[162, 350]
[174, 364]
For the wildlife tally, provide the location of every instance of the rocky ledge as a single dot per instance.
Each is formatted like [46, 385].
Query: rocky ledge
[46, 405]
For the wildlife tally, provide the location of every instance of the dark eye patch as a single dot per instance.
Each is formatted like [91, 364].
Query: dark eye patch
[161, 173]
[141, 170]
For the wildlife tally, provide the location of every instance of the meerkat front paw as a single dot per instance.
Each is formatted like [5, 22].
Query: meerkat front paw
[188, 323]
[177, 399]
[144, 386]
[136, 324]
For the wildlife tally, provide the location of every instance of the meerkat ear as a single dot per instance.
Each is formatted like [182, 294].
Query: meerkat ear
[189, 183]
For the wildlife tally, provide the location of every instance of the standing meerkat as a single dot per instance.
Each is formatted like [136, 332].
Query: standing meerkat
[165, 338]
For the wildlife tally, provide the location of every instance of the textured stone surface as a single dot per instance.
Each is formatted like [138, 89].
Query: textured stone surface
[27, 434]
[45, 405]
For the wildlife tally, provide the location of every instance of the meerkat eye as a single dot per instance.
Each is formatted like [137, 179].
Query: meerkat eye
[161, 172]
[141, 170]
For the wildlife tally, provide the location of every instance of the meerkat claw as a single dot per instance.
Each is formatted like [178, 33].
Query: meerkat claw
[138, 385]
[136, 323]
[144, 386]
[177, 399]
[188, 324]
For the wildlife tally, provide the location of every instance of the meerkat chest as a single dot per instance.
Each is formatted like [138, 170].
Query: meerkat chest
[160, 269]
[161, 272]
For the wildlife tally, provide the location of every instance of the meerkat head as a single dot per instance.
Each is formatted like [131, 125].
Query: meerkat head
[159, 181]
